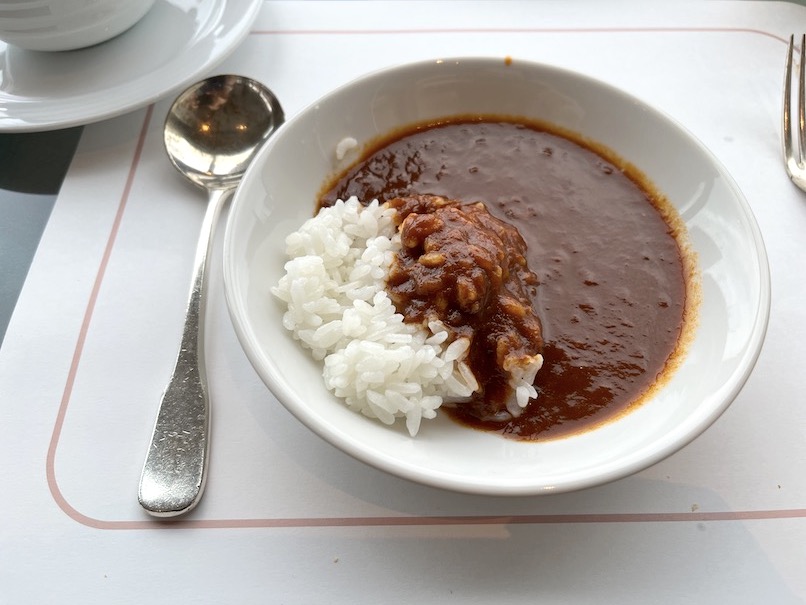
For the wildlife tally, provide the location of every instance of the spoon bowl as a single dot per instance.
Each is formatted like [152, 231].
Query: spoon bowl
[215, 127]
[212, 132]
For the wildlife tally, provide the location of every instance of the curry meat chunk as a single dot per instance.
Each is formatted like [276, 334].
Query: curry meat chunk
[464, 267]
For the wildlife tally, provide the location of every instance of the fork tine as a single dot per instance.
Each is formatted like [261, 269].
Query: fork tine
[787, 113]
[795, 160]
[802, 101]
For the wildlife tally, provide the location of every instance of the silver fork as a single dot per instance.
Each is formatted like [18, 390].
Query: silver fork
[794, 159]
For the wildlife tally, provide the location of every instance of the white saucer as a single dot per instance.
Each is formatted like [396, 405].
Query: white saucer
[176, 42]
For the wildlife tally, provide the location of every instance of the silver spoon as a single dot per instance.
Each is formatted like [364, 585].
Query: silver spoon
[213, 130]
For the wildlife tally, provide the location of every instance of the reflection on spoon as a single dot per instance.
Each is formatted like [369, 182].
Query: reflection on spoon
[212, 132]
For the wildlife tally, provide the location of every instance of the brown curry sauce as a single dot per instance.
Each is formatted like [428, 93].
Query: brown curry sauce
[604, 246]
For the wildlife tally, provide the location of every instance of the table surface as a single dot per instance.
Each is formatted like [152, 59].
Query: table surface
[96, 244]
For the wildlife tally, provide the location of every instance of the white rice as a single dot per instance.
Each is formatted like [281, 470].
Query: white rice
[345, 146]
[337, 307]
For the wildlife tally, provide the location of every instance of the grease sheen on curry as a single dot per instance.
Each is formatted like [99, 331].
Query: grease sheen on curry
[605, 246]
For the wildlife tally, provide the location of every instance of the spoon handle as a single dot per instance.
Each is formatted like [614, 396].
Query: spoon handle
[175, 468]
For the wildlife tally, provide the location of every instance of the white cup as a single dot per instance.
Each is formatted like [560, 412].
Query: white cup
[54, 25]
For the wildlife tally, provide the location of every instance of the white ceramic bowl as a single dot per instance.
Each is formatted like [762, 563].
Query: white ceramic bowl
[55, 25]
[278, 194]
